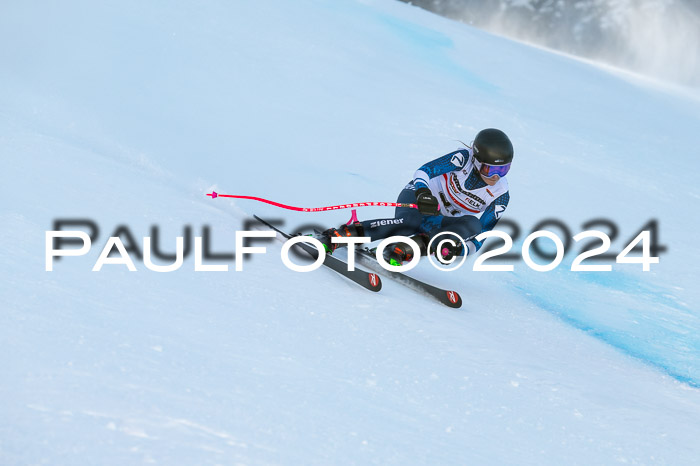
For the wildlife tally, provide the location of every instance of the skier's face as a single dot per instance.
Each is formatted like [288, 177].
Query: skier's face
[490, 181]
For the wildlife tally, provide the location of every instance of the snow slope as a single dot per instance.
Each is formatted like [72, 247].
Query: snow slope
[128, 113]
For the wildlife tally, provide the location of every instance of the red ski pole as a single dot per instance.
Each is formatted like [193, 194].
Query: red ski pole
[214, 195]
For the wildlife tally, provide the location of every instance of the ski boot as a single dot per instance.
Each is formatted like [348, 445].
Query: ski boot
[352, 230]
[398, 253]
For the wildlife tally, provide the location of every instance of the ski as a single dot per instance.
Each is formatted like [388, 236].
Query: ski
[370, 281]
[447, 297]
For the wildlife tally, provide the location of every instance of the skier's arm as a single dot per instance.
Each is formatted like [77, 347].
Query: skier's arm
[489, 219]
[453, 161]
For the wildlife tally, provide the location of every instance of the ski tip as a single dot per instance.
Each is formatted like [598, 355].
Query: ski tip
[454, 300]
[213, 194]
[375, 282]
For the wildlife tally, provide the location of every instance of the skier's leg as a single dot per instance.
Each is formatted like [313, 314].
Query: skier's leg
[466, 227]
[405, 222]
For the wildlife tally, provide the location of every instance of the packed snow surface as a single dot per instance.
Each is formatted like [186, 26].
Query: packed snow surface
[127, 113]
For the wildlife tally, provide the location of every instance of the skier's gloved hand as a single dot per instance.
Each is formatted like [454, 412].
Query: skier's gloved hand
[427, 203]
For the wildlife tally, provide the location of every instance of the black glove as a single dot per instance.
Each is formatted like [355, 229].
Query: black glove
[427, 203]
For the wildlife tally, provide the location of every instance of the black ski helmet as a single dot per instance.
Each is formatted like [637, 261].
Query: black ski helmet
[491, 146]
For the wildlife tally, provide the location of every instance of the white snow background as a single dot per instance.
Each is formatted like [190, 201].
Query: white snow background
[128, 112]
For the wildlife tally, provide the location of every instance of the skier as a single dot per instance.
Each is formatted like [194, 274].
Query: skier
[450, 192]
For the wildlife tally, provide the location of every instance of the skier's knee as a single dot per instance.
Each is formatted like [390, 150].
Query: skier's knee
[472, 226]
[467, 227]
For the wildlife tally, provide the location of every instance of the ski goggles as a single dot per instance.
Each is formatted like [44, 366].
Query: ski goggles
[490, 170]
